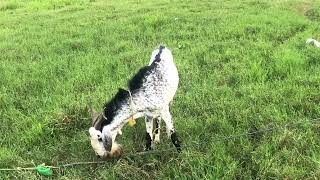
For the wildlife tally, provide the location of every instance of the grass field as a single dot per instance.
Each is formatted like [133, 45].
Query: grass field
[243, 65]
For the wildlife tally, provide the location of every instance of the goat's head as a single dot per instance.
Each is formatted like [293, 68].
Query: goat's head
[96, 142]
[103, 142]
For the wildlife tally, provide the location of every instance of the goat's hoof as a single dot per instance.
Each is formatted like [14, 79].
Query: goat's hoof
[147, 149]
[179, 149]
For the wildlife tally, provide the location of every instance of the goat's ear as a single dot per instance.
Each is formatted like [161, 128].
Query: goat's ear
[107, 140]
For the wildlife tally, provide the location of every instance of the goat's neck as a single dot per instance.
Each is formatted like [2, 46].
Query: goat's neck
[122, 117]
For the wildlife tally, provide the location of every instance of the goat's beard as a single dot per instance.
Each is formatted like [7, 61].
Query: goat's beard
[116, 149]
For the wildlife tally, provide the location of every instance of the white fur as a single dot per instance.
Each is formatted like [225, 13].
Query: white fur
[314, 42]
[95, 143]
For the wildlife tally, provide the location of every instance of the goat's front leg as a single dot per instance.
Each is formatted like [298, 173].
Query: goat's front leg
[149, 128]
[167, 118]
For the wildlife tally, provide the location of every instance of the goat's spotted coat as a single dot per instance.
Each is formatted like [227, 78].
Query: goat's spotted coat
[152, 89]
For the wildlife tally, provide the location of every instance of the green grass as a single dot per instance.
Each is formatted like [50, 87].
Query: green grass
[243, 66]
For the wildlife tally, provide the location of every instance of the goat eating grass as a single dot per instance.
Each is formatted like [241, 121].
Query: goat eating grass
[150, 92]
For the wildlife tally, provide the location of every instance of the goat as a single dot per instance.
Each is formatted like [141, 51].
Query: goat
[150, 92]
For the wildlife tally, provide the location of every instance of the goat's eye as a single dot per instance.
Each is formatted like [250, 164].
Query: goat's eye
[99, 139]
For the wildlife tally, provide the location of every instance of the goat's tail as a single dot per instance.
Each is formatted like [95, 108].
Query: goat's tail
[161, 53]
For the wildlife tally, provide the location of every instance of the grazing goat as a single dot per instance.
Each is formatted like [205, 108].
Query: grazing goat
[150, 92]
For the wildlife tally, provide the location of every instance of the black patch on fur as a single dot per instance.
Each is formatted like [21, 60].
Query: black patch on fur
[110, 108]
[175, 140]
[157, 58]
[107, 141]
[137, 80]
[148, 142]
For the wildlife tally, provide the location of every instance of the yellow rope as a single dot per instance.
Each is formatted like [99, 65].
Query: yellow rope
[131, 121]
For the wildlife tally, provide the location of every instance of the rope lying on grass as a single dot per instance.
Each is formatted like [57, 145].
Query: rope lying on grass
[47, 170]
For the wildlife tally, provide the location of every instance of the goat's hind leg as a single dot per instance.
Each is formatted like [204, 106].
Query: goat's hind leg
[167, 118]
[157, 122]
[149, 128]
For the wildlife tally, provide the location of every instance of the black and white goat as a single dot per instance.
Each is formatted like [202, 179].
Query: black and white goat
[150, 92]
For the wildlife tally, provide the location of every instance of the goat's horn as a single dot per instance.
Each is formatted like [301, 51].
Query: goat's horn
[95, 116]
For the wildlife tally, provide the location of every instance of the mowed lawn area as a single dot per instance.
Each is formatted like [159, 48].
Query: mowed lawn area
[244, 67]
